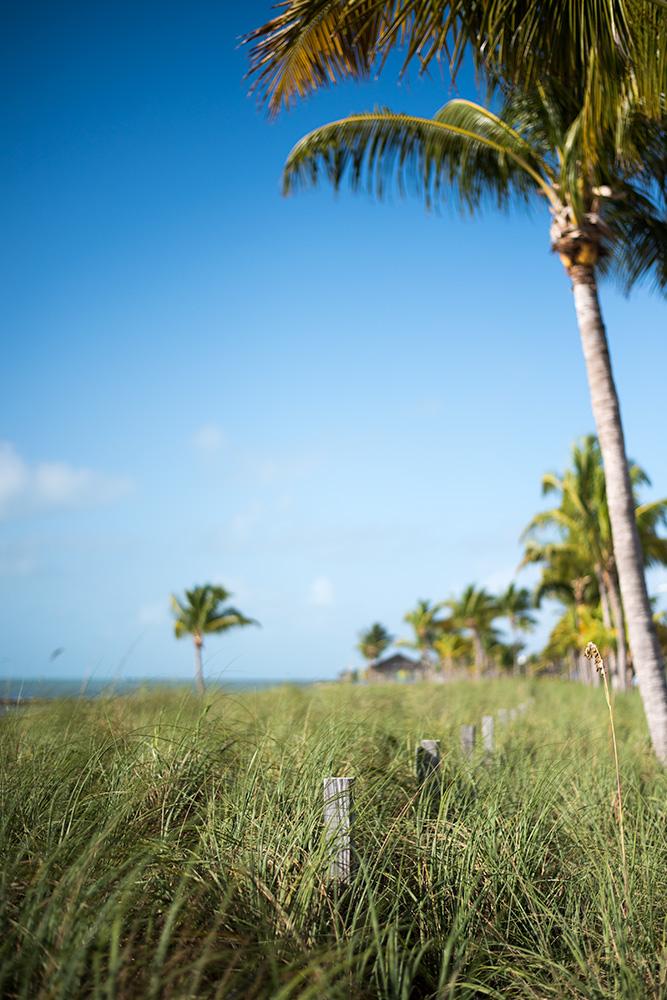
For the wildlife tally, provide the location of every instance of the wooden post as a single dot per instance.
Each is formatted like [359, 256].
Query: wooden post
[428, 759]
[468, 734]
[487, 734]
[338, 817]
[513, 714]
[503, 716]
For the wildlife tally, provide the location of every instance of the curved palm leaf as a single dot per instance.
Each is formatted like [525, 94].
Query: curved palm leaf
[464, 148]
[600, 49]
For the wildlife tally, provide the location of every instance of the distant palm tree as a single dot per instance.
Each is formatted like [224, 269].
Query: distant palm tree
[604, 189]
[583, 522]
[453, 648]
[426, 627]
[373, 642]
[576, 627]
[474, 613]
[202, 613]
[515, 604]
[568, 577]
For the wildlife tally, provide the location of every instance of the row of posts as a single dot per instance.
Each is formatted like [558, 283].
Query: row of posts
[338, 792]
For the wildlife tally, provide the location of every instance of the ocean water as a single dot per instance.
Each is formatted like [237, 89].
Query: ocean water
[13, 687]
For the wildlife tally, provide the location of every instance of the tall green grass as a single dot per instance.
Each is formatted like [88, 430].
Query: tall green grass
[158, 846]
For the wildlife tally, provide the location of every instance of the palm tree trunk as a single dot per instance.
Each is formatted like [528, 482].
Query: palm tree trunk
[480, 658]
[606, 615]
[618, 617]
[644, 645]
[199, 673]
[572, 666]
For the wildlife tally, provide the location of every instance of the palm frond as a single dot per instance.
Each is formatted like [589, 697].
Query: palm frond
[311, 44]
[602, 50]
[230, 618]
[638, 222]
[463, 149]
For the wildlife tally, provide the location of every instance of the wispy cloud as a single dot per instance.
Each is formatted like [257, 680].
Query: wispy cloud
[321, 592]
[27, 487]
[209, 439]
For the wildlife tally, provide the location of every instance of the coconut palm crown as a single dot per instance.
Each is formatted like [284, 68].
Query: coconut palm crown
[373, 642]
[605, 51]
[474, 612]
[204, 612]
[426, 628]
[606, 199]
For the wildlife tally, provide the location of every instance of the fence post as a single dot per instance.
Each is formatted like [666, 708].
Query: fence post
[503, 716]
[487, 734]
[427, 759]
[338, 818]
[468, 734]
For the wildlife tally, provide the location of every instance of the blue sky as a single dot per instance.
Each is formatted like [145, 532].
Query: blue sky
[332, 406]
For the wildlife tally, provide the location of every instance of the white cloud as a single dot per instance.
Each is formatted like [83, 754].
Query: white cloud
[209, 439]
[30, 487]
[321, 592]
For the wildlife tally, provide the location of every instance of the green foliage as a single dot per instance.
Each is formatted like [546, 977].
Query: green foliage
[204, 612]
[475, 608]
[608, 53]
[426, 628]
[578, 562]
[156, 846]
[609, 196]
[575, 629]
[374, 641]
[516, 604]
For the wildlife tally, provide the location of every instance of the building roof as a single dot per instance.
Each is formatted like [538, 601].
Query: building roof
[396, 662]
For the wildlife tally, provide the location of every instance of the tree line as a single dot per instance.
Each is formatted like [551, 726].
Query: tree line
[572, 545]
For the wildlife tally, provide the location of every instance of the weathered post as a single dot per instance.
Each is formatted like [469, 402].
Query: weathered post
[513, 714]
[468, 734]
[338, 818]
[487, 734]
[503, 716]
[428, 759]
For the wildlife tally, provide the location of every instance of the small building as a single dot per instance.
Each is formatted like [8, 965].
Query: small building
[396, 668]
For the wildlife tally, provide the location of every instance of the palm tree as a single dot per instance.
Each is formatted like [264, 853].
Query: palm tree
[426, 627]
[202, 613]
[607, 214]
[373, 642]
[582, 519]
[610, 47]
[574, 629]
[453, 648]
[515, 605]
[567, 577]
[474, 613]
